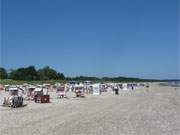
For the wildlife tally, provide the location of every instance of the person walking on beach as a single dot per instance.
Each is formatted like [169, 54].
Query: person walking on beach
[116, 90]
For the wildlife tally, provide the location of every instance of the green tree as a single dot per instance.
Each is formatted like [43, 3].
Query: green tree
[48, 73]
[60, 76]
[17, 74]
[28, 74]
[31, 73]
[3, 73]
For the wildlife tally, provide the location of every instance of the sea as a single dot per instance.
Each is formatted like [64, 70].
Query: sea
[175, 83]
[171, 83]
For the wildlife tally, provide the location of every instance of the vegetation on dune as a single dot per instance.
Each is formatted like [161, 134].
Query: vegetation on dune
[48, 75]
[83, 78]
[31, 74]
[28, 73]
[3, 73]
[18, 82]
[110, 79]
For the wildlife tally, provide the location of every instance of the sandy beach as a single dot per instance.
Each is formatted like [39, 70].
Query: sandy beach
[153, 111]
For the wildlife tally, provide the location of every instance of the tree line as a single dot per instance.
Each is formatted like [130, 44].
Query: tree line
[110, 79]
[31, 74]
[46, 73]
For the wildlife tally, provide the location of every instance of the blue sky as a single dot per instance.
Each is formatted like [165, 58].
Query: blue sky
[137, 38]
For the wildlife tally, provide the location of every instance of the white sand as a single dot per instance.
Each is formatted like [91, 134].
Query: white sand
[140, 112]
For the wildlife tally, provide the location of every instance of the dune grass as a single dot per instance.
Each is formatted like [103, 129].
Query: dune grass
[17, 82]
